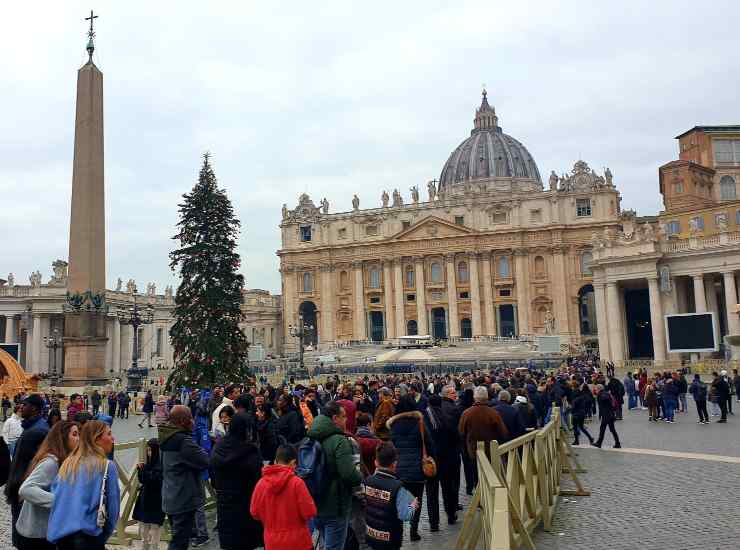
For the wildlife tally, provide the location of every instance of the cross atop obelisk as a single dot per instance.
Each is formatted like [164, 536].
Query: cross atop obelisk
[91, 35]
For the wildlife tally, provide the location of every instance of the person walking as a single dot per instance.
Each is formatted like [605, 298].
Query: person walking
[683, 388]
[448, 453]
[96, 400]
[722, 392]
[112, 403]
[35, 492]
[183, 463]
[631, 390]
[581, 401]
[282, 503]
[607, 412]
[147, 408]
[481, 423]
[434, 433]
[12, 429]
[698, 390]
[84, 477]
[670, 400]
[148, 508]
[334, 505]
[289, 424]
[736, 383]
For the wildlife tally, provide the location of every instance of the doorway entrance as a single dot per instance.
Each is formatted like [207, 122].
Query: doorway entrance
[639, 329]
[507, 320]
[412, 328]
[307, 310]
[466, 328]
[439, 323]
[376, 326]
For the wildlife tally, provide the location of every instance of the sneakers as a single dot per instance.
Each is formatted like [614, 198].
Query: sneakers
[721, 421]
[195, 543]
[452, 520]
[597, 445]
[415, 536]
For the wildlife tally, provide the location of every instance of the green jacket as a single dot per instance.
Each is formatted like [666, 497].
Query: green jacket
[343, 473]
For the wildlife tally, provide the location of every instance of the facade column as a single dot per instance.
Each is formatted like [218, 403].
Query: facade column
[421, 296]
[454, 319]
[656, 320]
[36, 345]
[700, 297]
[713, 306]
[560, 291]
[488, 294]
[289, 299]
[359, 331]
[614, 313]
[733, 321]
[108, 346]
[475, 293]
[389, 324]
[602, 320]
[116, 365]
[10, 335]
[522, 287]
[326, 334]
[399, 316]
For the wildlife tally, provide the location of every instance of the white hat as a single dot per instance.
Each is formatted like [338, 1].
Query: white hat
[723, 373]
[521, 399]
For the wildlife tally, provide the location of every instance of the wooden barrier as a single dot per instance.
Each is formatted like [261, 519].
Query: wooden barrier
[125, 531]
[519, 488]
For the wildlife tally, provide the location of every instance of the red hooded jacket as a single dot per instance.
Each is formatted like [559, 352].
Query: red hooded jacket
[283, 504]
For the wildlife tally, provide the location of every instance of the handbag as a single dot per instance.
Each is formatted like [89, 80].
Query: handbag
[428, 466]
[102, 509]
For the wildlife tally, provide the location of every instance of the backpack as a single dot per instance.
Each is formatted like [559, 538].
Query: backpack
[312, 467]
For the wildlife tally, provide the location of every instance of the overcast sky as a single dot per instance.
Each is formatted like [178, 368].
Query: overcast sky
[345, 98]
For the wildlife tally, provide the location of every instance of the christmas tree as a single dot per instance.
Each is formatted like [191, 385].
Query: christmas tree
[209, 347]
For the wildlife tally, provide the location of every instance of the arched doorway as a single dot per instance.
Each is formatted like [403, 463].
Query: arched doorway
[412, 329]
[639, 330]
[308, 312]
[376, 326]
[587, 311]
[466, 328]
[439, 323]
[507, 320]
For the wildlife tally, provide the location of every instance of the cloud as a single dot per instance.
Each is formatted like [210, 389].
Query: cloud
[334, 100]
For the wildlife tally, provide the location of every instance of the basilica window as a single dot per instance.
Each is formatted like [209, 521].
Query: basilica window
[465, 295]
[720, 220]
[436, 272]
[583, 207]
[535, 216]
[307, 282]
[344, 280]
[504, 292]
[159, 342]
[586, 259]
[374, 277]
[342, 233]
[727, 151]
[673, 227]
[678, 188]
[371, 230]
[459, 220]
[409, 277]
[697, 222]
[374, 299]
[462, 272]
[540, 271]
[504, 270]
[727, 188]
[737, 217]
[306, 233]
[405, 224]
[498, 217]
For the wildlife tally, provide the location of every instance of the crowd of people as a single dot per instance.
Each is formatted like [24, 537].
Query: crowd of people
[347, 462]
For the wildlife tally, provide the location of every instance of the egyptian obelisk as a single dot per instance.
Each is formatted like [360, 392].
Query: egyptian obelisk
[85, 310]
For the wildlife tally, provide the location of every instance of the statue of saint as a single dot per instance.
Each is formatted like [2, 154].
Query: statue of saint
[432, 190]
[131, 286]
[325, 205]
[35, 279]
[355, 202]
[385, 198]
[285, 210]
[397, 200]
[11, 279]
[608, 176]
[119, 284]
[553, 181]
[549, 322]
[414, 194]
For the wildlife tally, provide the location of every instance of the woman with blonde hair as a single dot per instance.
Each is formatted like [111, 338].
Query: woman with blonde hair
[86, 494]
[35, 492]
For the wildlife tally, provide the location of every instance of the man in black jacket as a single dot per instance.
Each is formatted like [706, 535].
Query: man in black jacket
[510, 415]
[722, 390]
[183, 463]
[449, 453]
[607, 411]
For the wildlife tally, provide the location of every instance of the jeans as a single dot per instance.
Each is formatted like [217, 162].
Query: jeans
[182, 527]
[201, 527]
[682, 401]
[670, 409]
[632, 401]
[701, 409]
[332, 531]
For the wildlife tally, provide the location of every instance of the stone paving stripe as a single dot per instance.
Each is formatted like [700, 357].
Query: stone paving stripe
[672, 454]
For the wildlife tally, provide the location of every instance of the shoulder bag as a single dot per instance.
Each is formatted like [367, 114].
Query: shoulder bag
[428, 466]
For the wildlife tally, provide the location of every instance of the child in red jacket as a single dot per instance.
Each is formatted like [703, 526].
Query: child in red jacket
[283, 504]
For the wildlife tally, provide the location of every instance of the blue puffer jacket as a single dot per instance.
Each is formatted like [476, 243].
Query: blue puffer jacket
[406, 436]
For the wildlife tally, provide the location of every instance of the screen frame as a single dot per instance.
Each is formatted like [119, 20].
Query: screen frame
[691, 350]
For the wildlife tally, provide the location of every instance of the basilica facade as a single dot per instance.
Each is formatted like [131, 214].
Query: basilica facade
[490, 251]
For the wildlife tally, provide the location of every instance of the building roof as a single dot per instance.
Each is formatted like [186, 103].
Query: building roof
[722, 129]
[488, 153]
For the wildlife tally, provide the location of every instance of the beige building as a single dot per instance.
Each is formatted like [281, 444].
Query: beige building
[490, 252]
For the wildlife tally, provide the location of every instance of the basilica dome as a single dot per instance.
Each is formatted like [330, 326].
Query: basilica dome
[488, 153]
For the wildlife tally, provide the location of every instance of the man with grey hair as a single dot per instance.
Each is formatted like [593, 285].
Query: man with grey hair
[481, 423]
[509, 415]
[449, 453]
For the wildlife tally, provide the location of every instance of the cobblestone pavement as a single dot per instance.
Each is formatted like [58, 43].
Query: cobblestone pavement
[638, 500]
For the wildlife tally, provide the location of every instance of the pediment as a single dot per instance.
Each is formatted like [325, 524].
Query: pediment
[432, 227]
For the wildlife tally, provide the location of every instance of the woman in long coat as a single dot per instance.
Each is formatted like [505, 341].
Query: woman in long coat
[237, 466]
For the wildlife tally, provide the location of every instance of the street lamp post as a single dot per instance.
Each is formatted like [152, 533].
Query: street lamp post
[301, 332]
[53, 342]
[136, 317]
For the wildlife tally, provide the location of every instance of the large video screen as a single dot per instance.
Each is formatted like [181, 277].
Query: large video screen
[691, 332]
[13, 349]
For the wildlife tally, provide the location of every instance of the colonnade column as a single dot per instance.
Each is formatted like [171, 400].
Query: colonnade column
[616, 336]
[700, 297]
[601, 320]
[452, 297]
[359, 330]
[326, 334]
[713, 306]
[36, 344]
[475, 294]
[560, 290]
[656, 319]
[488, 294]
[421, 296]
[116, 365]
[10, 336]
[733, 321]
[522, 286]
[399, 316]
[390, 325]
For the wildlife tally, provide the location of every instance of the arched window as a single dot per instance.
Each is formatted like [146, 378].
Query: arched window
[436, 272]
[344, 280]
[727, 188]
[411, 328]
[586, 259]
[374, 277]
[540, 271]
[462, 272]
[307, 282]
[503, 268]
[409, 277]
